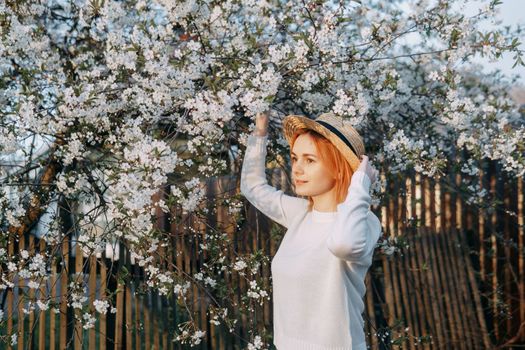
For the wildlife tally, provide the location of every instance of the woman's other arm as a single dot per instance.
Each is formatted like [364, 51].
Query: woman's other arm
[356, 229]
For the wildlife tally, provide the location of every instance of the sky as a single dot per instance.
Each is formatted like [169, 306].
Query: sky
[511, 12]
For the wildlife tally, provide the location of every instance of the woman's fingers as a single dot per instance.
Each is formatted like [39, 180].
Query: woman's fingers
[367, 167]
[363, 165]
[261, 122]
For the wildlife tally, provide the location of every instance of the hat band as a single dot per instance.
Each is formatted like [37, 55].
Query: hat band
[338, 133]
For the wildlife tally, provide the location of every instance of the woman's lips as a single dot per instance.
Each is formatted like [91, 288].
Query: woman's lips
[297, 182]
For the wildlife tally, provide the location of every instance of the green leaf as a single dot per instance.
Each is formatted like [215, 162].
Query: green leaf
[519, 61]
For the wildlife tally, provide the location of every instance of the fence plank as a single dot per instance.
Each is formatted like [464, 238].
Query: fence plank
[138, 326]
[92, 287]
[423, 270]
[10, 294]
[129, 322]
[78, 277]
[450, 257]
[521, 248]
[465, 299]
[42, 336]
[119, 316]
[370, 313]
[454, 286]
[508, 261]
[420, 266]
[400, 313]
[154, 321]
[441, 290]
[103, 318]
[64, 292]
[435, 294]
[407, 288]
[482, 334]
[52, 315]
[423, 313]
[494, 252]
[31, 295]
[390, 296]
[485, 230]
[21, 301]
[147, 327]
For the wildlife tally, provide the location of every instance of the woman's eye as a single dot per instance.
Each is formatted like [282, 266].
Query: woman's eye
[307, 160]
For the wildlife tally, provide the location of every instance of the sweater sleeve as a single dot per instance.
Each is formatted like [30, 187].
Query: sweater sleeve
[356, 228]
[273, 203]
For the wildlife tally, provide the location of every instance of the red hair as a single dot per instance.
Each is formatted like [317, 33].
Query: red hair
[334, 162]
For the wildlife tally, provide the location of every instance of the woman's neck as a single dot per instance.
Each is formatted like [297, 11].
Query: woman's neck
[325, 202]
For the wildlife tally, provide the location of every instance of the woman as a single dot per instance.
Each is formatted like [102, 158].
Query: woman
[319, 269]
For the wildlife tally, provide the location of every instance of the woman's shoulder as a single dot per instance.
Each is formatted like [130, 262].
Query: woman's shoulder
[293, 206]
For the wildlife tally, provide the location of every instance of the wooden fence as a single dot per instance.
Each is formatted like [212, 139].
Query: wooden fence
[494, 242]
[144, 320]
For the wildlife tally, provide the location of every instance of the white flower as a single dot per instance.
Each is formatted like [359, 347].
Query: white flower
[240, 265]
[11, 266]
[210, 281]
[365, 33]
[43, 306]
[197, 337]
[101, 306]
[24, 254]
[278, 53]
[33, 284]
[389, 250]
[434, 76]
[181, 289]
[257, 344]
[89, 321]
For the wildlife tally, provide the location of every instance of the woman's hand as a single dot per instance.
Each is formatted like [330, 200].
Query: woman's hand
[261, 123]
[368, 169]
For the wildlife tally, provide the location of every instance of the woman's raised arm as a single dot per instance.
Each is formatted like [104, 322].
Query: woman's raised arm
[273, 203]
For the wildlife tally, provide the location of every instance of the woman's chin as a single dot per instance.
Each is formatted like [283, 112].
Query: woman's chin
[301, 192]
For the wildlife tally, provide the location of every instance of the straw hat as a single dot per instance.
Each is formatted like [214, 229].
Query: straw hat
[342, 135]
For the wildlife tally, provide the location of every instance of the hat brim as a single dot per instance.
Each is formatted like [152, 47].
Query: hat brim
[293, 123]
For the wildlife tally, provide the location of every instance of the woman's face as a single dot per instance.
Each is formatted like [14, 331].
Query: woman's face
[309, 174]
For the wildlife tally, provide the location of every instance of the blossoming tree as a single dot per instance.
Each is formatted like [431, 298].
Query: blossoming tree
[106, 103]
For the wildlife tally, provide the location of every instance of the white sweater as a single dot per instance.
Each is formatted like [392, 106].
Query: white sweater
[319, 269]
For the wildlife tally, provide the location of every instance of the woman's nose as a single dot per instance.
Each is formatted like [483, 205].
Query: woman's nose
[297, 169]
